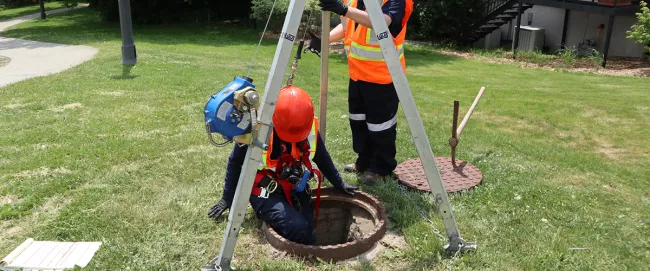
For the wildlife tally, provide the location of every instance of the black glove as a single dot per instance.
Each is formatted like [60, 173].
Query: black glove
[217, 210]
[334, 6]
[348, 188]
[314, 45]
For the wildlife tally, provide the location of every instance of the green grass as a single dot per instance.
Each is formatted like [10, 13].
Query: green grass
[9, 13]
[91, 155]
[4, 61]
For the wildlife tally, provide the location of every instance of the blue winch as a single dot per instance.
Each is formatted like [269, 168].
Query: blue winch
[231, 112]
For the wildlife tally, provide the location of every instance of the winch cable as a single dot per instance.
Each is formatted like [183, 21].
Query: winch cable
[268, 20]
[299, 52]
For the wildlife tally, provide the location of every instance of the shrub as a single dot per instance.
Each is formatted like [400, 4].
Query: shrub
[640, 31]
[443, 21]
[262, 8]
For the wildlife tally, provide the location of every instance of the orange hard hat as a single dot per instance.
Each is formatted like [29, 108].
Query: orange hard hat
[294, 114]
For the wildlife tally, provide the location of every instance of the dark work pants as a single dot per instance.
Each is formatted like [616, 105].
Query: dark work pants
[286, 220]
[373, 120]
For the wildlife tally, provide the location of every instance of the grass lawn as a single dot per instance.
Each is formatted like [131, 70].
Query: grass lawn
[90, 155]
[8, 13]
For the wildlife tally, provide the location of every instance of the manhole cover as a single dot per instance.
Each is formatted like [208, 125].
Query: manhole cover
[465, 176]
[4, 61]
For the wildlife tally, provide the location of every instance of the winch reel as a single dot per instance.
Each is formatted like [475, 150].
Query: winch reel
[232, 113]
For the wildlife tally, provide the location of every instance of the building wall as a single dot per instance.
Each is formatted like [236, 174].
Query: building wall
[551, 19]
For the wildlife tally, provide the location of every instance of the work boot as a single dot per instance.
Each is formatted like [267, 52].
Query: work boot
[352, 168]
[372, 178]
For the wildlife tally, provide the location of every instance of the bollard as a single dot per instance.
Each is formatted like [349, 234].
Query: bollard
[129, 55]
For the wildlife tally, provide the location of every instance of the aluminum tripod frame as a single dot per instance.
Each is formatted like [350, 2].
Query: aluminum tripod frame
[271, 91]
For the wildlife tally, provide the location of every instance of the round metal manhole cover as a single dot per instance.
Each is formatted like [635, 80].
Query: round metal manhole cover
[464, 176]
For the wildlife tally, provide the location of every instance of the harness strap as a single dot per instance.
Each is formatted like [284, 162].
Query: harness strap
[307, 162]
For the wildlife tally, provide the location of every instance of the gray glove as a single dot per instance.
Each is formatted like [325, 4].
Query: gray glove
[217, 210]
[314, 45]
[348, 188]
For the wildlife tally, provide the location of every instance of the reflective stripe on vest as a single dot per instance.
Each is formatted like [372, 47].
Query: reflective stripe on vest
[371, 53]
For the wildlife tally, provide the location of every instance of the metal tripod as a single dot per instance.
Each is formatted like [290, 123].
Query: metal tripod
[271, 91]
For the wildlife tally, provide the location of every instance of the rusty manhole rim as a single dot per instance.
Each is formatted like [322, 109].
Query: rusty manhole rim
[338, 252]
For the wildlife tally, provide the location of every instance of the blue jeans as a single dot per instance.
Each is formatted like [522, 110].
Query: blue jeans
[292, 224]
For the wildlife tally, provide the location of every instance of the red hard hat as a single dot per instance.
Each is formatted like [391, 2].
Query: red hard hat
[294, 114]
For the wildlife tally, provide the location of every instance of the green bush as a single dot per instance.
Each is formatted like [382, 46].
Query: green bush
[262, 8]
[640, 31]
[443, 20]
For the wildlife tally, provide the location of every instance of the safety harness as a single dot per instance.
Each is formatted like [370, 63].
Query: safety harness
[267, 181]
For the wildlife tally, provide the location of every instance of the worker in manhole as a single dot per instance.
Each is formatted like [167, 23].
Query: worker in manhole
[372, 98]
[281, 195]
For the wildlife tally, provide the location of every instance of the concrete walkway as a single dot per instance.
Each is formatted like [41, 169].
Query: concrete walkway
[32, 58]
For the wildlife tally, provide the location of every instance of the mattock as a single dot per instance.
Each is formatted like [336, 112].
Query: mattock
[456, 130]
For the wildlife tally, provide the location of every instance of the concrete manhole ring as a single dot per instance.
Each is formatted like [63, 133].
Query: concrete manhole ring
[4, 61]
[411, 174]
[347, 227]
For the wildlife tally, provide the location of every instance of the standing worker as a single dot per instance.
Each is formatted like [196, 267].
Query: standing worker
[279, 196]
[372, 98]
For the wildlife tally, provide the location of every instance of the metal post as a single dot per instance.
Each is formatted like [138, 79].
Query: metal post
[610, 27]
[42, 4]
[453, 141]
[456, 243]
[515, 44]
[129, 55]
[324, 69]
[253, 156]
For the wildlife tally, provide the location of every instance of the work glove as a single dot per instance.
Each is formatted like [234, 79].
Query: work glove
[348, 188]
[314, 45]
[217, 210]
[334, 6]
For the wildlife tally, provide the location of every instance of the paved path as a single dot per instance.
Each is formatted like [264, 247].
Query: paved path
[32, 58]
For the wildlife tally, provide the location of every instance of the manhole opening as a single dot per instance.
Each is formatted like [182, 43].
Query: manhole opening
[347, 227]
[341, 222]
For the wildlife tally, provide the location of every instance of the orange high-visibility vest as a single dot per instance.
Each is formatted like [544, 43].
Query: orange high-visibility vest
[365, 59]
[269, 164]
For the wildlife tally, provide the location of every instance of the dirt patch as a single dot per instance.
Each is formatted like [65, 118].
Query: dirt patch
[394, 240]
[54, 204]
[8, 199]
[42, 172]
[67, 107]
[14, 106]
[609, 150]
[616, 66]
